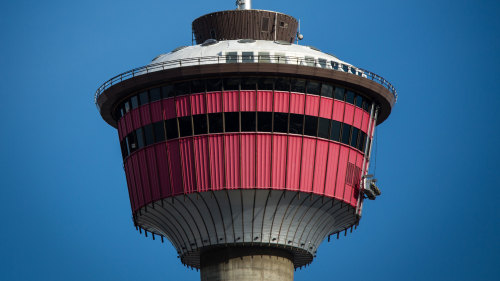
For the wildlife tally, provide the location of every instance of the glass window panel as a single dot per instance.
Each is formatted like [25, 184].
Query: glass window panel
[264, 57]
[248, 121]
[339, 93]
[367, 105]
[132, 141]
[280, 58]
[327, 90]
[362, 140]
[346, 133]
[214, 85]
[127, 145]
[122, 111]
[185, 127]
[309, 61]
[134, 101]
[349, 97]
[354, 137]
[215, 123]
[200, 124]
[322, 63]
[335, 131]
[181, 89]
[232, 121]
[266, 83]
[123, 146]
[126, 105]
[280, 122]
[311, 126]
[324, 128]
[296, 123]
[168, 91]
[353, 70]
[155, 94]
[247, 57]
[159, 131]
[144, 98]
[313, 87]
[298, 85]
[148, 135]
[335, 65]
[345, 68]
[249, 83]
[264, 121]
[231, 57]
[358, 101]
[197, 86]
[231, 84]
[282, 84]
[140, 138]
[172, 132]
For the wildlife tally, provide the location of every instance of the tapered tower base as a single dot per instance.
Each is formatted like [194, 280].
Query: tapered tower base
[247, 264]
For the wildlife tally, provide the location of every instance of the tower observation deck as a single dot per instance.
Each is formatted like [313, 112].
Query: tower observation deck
[246, 144]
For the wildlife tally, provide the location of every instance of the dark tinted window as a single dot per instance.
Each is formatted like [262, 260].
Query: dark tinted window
[215, 123]
[313, 87]
[148, 134]
[264, 121]
[354, 137]
[296, 123]
[346, 131]
[155, 94]
[324, 128]
[339, 93]
[327, 90]
[214, 85]
[134, 101]
[200, 124]
[311, 126]
[349, 97]
[232, 121]
[366, 105]
[280, 122]
[185, 126]
[197, 86]
[247, 57]
[249, 83]
[168, 91]
[358, 101]
[298, 85]
[126, 105]
[181, 88]
[248, 121]
[123, 146]
[282, 84]
[159, 131]
[132, 142]
[362, 141]
[172, 132]
[231, 84]
[335, 131]
[122, 111]
[265, 84]
[143, 98]
[140, 138]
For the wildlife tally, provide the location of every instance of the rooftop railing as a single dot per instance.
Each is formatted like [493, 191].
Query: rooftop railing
[305, 61]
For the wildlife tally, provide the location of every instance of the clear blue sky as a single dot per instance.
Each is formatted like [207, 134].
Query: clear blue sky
[63, 197]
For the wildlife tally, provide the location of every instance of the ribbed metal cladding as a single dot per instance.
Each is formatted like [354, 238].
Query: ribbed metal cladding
[295, 221]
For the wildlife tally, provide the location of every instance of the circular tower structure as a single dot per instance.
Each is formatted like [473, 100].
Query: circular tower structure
[246, 150]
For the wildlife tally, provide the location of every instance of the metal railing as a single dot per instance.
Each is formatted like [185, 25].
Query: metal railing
[305, 61]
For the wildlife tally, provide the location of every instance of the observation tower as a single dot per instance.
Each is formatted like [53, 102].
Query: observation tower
[246, 150]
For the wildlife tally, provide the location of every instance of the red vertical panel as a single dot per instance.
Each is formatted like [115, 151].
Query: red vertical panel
[128, 124]
[265, 101]
[349, 114]
[153, 172]
[331, 168]
[137, 177]
[364, 125]
[143, 168]
[231, 101]
[175, 167]
[358, 116]
[202, 167]
[136, 118]
[312, 105]
[168, 111]
[297, 103]
[214, 102]
[278, 161]
[263, 158]
[307, 166]
[232, 158]
[359, 165]
[130, 184]
[326, 107]
[216, 162]
[293, 163]
[120, 128]
[247, 100]
[281, 101]
[145, 116]
[341, 172]
[198, 104]
[248, 160]
[162, 165]
[188, 174]
[156, 111]
[183, 106]
[338, 110]
[320, 166]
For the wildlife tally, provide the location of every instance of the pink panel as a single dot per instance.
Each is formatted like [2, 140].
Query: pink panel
[232, 157]
[278, 161]
[175, 167]
[216, 162]
[353, 155]
[145, 116]
[137, 178]
[264, 160]
[128, 124]
[183, 106]
[297, 103]
[198, 104]
[338, 110]
[312, 105]
[231, 101]
[120, 129]
[358, 116]
[248, 160]
[214, 102]
[349, 114]
[136, 118]
[331, 168]
[156, 111]
[293, 163]
[320, 166]
[163, 169]
[341, 172]
[130, 185]
[307, 169]
[188, 172]
[143, 168]
[281, 101]
[168, 108]
[248, 100]
[264, 100]
[201, 162]
[364, 125]
[325, 110]
[153, 172]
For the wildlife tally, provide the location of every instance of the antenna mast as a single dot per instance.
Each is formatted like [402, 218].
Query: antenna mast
[244, 4]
